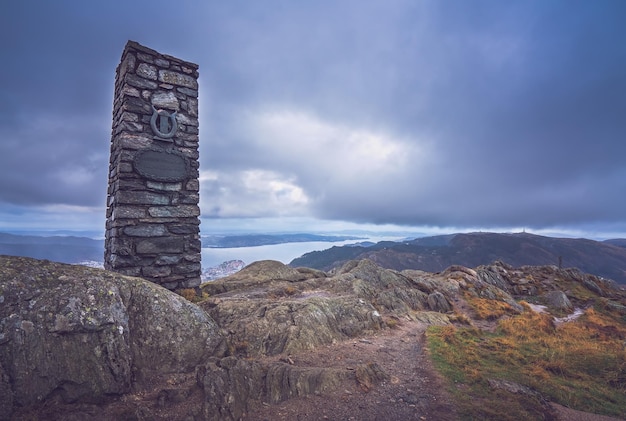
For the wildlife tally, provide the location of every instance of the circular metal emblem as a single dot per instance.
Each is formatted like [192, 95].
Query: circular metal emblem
[167, 126]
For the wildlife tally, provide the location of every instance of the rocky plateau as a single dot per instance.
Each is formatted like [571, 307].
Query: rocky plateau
[269, 342]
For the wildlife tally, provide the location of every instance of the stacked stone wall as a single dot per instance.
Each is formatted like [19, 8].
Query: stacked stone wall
[152, 228]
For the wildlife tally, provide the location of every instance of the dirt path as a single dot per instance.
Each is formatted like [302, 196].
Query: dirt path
[411, 391]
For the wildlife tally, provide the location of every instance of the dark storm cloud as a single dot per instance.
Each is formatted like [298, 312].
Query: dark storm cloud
[520, 105]
[464, 113]
[58, 71]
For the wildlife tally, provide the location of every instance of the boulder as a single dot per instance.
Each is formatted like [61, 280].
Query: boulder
[270, 327]
[230, 384]
[258, 274]
[438, 302]
[80, 334]
[557, 300]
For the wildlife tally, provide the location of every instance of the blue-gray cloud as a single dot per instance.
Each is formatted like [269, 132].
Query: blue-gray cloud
[476, 113]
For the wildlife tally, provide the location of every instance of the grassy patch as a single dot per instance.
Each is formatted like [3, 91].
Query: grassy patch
[487, 309]
[581, 364]
[190, 294]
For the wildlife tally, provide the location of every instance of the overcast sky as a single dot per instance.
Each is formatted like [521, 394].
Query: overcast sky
[430, 115]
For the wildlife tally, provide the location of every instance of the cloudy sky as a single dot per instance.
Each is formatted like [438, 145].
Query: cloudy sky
[430, 116]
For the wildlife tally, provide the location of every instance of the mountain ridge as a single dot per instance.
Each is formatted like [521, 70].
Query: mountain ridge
[59, 248]
[434, 254]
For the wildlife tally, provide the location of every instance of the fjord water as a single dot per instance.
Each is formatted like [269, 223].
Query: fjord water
[284, 253]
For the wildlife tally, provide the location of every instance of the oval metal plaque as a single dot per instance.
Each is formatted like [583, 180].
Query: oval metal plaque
[162, 166]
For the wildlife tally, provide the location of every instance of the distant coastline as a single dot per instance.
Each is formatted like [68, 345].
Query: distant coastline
[255, 240]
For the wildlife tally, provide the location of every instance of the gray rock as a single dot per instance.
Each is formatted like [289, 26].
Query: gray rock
[165, 99]
[6, 396]
[83, 334]
[229, 384]
[271, 327]
[593, 287]
[176, 78]
[558, 300]
[438, 302]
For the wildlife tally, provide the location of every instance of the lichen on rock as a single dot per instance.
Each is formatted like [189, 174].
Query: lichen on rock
[83, 334]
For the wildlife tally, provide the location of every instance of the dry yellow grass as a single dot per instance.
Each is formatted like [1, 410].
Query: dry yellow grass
[579, 364]
[190, 295]
[487, 309]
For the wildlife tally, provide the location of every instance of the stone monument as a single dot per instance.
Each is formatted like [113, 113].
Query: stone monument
[153, 224]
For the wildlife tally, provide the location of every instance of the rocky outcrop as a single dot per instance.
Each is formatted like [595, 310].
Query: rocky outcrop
[71, 335]
[78, 334]
[269, 308]
[230, 384]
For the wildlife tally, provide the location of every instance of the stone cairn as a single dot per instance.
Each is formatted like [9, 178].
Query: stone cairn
[153, 225]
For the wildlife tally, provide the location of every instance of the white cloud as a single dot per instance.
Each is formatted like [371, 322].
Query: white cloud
[344, 150]
[251, 193]
[294, 163]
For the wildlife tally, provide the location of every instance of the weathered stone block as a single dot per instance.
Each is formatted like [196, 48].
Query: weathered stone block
[161, 245]
[142, 198]
[167, 260]
[121, 212]
[124, 167]
[122, 247]
[186, 268]
[161, 62]
[147, 71]
[183, 211]
[193, 258]
[167, 100]
[126, 116]
[130, 184]
[123, 261]
[192, 107]
[184, 228]
[193, 185]
[130, 91]
[184, 119]
[145, 57]
[179, 79]
[136, 105]
[128, 65]
[164, 186]
[188, 198]
[188, 92]
[147, 230]
[194, 245]
[133, 140]
[156, 271]
[129, 126]
[139, 82]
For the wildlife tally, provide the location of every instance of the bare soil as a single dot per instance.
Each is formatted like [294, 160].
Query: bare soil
[412, 390]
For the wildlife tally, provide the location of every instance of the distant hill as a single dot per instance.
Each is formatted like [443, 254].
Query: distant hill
[64, 249]
[434, 254]
[620, 242]
[253, 240]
